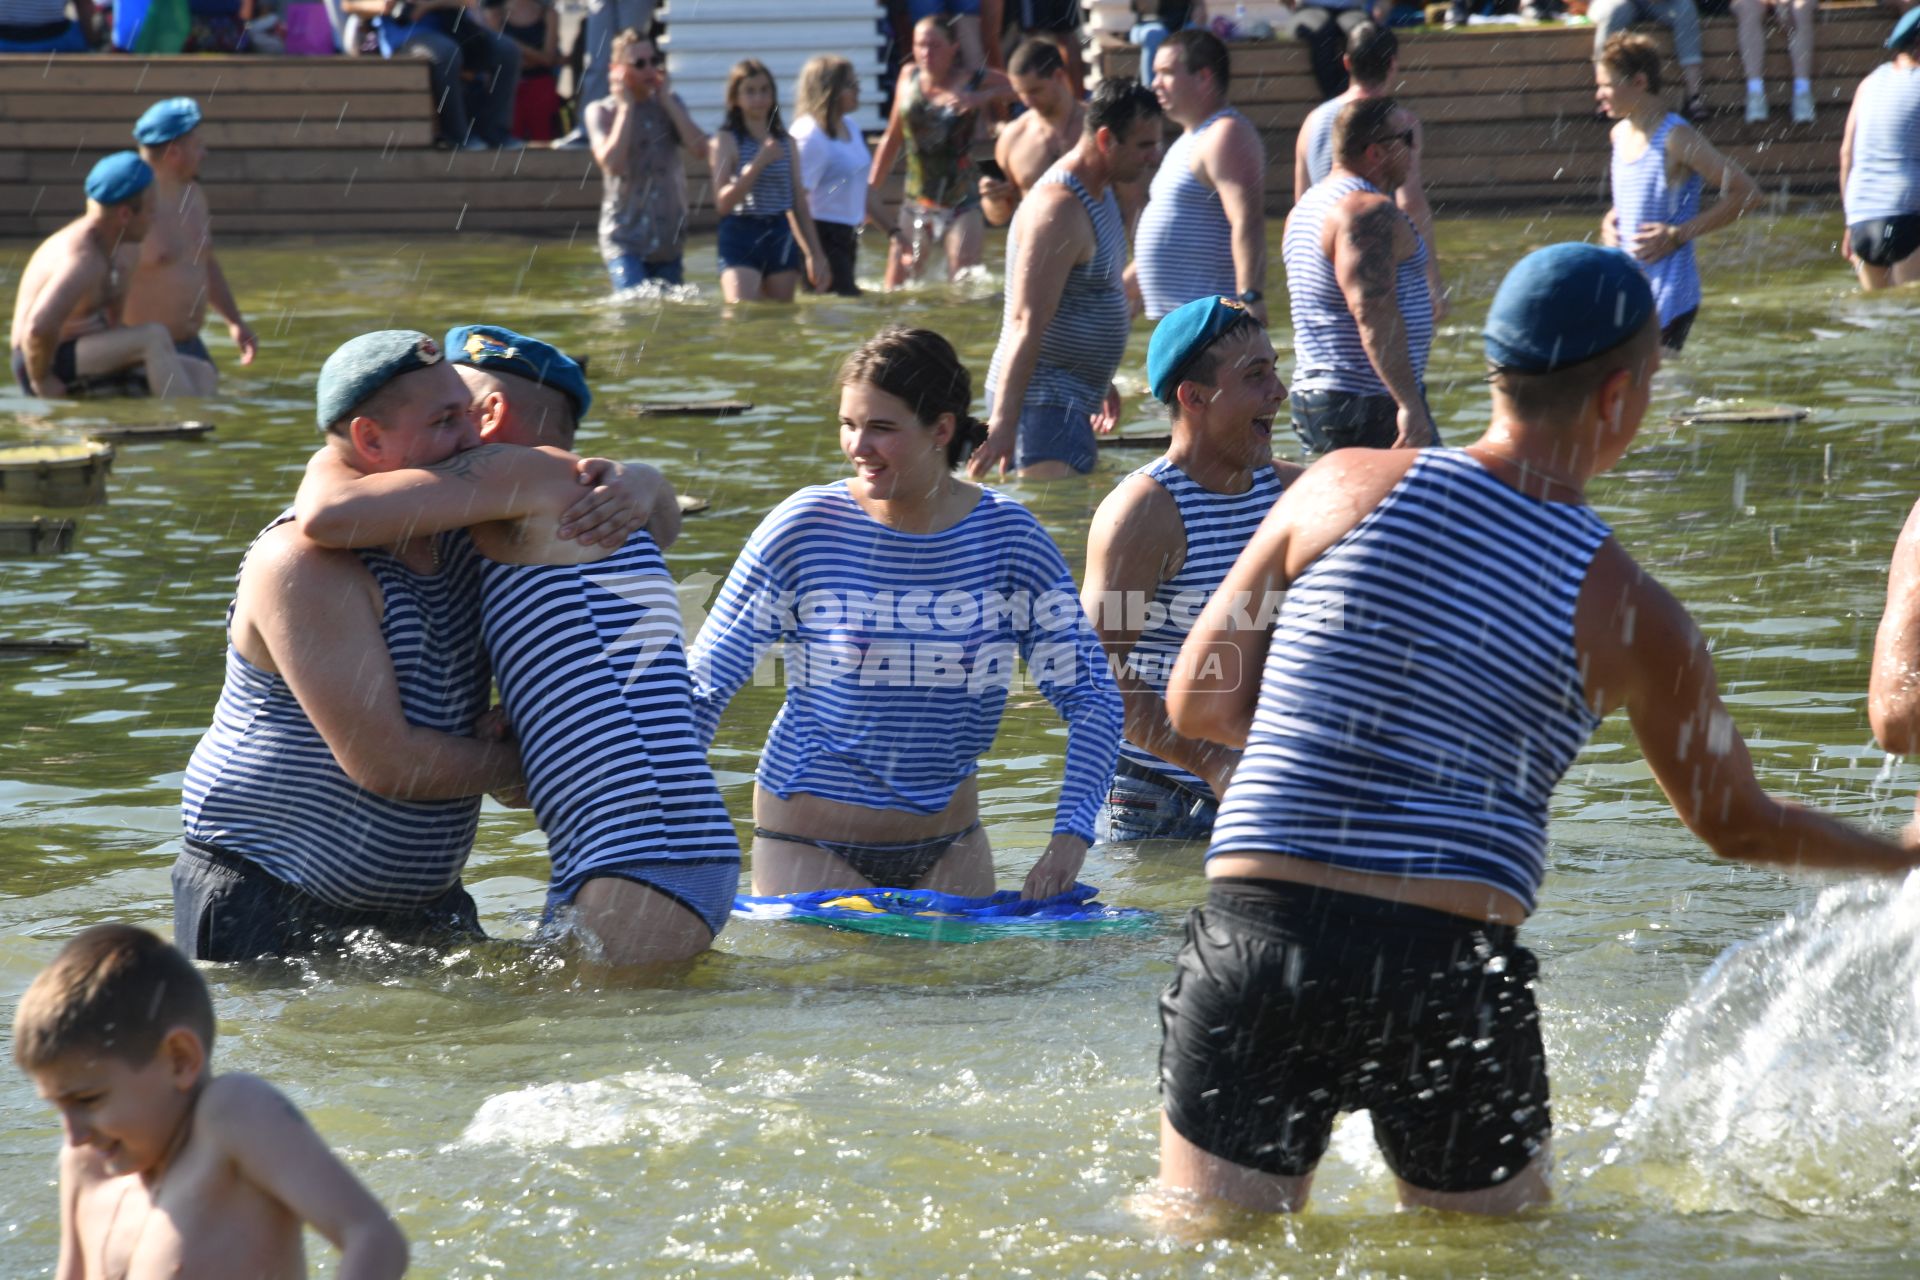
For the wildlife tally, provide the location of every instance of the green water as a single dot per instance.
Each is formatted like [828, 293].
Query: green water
[806, 1103]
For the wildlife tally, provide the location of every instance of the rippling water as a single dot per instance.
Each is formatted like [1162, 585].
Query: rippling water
[804, 1103]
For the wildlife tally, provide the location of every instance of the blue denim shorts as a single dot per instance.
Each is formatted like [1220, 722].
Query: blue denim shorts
[630, 269]
[1141, 809]
[758, 242]
[1056, 433]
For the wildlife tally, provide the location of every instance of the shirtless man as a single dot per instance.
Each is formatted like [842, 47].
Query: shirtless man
[179, 275]
[67, 327]
[1049, 128]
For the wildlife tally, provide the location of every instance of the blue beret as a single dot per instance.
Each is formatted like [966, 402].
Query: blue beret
[367, 363]
[118, 178]
[1564, 304]
[1184, 333]
[497, 350]
[162, 122]
[1904, 29]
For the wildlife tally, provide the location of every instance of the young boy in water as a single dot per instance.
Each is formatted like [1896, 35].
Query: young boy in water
[169, 1169]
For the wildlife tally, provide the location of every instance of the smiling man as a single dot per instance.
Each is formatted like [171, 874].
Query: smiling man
[1164, 539]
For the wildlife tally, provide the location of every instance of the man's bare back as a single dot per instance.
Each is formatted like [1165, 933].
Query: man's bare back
[73, 271]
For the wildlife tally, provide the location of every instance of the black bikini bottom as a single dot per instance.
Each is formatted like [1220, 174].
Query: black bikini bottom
[888, 866]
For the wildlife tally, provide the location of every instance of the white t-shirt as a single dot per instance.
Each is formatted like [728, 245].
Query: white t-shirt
[834, 172]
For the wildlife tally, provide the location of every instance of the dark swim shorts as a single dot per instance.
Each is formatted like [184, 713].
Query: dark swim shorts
[1881, 242]
[194, 349]
[1673, 335]
[1291, 1004]
[63, 365]
[226, 908]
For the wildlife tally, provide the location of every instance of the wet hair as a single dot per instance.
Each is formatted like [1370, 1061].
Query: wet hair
[1036, 59]
[114, 990]
[921, 368]
[1360, 124]
[736, 121]
[1629, 54]
[1202, 50]
[822, 81]
[1371, 49]
[1204, 364]
[1564, 392]
[1118, 104]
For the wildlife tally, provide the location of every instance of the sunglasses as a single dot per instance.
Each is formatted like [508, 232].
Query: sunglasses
[1406, 139]
[643, 63]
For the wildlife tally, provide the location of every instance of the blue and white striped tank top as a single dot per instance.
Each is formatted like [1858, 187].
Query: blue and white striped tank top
[593, 672]
[263, 784]
[1422, 696]
[1218, 528]
[1884, 181]
[899, 653]
[772, 191]
[1318, 129]
[1327, 352]
[1641, 194]
[1083, 346]
[1183, 247]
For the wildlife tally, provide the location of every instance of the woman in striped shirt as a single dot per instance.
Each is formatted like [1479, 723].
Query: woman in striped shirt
[765, 224]
[902, 595]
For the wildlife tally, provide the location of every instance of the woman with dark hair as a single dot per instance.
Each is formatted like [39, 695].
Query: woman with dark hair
[833, 166]
[902, 595]
[765, 225]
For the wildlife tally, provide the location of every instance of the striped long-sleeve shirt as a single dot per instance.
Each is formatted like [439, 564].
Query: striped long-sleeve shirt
[900, 651]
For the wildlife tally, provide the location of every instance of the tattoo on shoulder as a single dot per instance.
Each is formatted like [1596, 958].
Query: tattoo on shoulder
[465, 464]
[1371, 235]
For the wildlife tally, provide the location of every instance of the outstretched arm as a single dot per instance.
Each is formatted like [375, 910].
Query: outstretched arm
[272, 1146]
[1660, 669]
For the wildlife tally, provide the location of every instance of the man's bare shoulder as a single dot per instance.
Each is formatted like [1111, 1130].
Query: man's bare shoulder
[237, 1103]
[1141, 512]
[1330, 498]
[286, 559]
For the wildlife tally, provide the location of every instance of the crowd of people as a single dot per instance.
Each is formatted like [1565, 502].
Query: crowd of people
[1357, 681]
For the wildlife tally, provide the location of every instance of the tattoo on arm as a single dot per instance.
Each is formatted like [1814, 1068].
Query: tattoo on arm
[463, 465]
[1371, 237]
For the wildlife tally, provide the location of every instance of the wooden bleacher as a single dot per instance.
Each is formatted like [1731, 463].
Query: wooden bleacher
[296, 146]
[1508, 111]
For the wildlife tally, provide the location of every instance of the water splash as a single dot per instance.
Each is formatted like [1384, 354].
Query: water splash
[1791, 1077]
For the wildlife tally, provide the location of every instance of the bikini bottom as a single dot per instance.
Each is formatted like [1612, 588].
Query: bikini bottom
[888, 866]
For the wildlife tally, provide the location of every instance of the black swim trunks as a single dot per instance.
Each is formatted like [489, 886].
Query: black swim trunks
[194, 349]
[63, 365]
[226, 908]
[886, 866]
[1291, 1004]
[1881, 242]
[1673, 335]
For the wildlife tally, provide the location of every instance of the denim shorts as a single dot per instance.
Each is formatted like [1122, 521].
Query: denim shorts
[1329, 420]
[758, 242]
[918, 9]
[1143, 808]
[630, 269]
[1055, 433]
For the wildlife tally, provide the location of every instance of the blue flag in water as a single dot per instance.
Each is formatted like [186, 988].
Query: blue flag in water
[922, 913]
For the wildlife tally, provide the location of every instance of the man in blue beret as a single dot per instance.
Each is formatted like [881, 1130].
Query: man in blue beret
[67, 336]
[589, 658]
[1362, 300]
[1165, 537]
[1455, 625]
[179, 273]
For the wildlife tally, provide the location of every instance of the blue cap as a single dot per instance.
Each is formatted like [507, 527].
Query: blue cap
[162, 122]
[498, 350]
[1903, 30]
[365, 364]
[118, 178]
[1564, 304]
[1184, 333]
